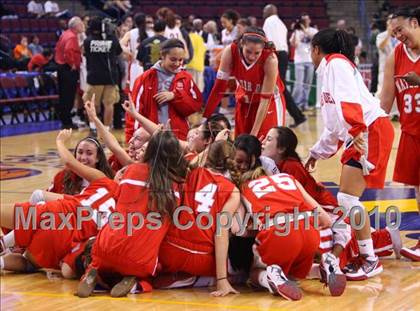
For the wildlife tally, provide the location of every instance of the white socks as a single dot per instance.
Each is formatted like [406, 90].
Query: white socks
[366, 248]
[348, 202]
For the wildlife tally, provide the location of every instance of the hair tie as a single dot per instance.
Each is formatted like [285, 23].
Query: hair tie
[94, 141]
[254, 34]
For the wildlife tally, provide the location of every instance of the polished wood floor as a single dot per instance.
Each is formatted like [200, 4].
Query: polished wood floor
[397, 288]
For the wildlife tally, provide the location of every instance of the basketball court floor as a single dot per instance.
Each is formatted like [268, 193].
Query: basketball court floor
[30, 161]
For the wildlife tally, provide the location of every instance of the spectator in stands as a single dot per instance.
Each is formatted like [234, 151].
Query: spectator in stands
[242, 24]
[213, 38]
[35, 8]
[127, 20]
[117, 8]
[102, 50]
[68, 58]
[230, 31]
[149, 26]
[52, 9]
[6, 60]
[22, 51]
[38, 61]
[62, 27]
[149, 49]
[85, 20]
[196, 66]
[174, 31]
[34, 46]
[304, 69]
[276, 31]
[357, 43]
[253, 20]
[341, 25]
[197, 25]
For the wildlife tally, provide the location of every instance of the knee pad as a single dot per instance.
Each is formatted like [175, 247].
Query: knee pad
[347, 201]
[37, 196]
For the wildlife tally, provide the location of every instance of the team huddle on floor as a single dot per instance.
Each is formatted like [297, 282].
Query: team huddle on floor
[230, 175]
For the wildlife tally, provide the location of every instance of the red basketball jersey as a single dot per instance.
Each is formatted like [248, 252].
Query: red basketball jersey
[99, 198]
[408, 96]
[250, 78]
[273, 194]
[204, 192]
[295, 168]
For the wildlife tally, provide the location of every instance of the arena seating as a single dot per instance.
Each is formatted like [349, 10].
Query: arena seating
[30, 93]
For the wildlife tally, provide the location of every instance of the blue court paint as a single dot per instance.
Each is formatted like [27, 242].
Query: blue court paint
[29, 128]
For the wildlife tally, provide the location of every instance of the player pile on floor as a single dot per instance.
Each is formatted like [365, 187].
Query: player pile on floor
[211, 175]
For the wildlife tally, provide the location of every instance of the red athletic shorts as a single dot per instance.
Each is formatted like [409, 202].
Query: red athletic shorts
[293, 252]
[47, 246]
[245, 115]
[407, 164]
[380, 138]
[176, 259]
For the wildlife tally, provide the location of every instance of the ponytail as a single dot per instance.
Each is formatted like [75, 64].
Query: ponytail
[334, 41]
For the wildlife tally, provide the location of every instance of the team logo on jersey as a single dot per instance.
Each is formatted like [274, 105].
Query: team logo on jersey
[326, 98]
[179, 85]
[7, 173]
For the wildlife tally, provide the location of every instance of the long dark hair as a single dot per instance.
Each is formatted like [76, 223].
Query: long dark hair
[167, 166]
[252, 147]
[334, 41]
[231, 15]
[256, 35]
[140, 22]
[72, 183]
[287, 140]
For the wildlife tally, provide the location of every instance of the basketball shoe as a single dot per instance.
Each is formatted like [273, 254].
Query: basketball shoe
[87, 283]
[122, 288]
[279, 285]
[362, 268]
[331, 274]
[412, 253]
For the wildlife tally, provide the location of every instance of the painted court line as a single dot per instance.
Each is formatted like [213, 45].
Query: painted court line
[146, 300]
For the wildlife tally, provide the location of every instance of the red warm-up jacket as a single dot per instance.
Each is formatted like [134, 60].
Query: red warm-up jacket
[188, 99]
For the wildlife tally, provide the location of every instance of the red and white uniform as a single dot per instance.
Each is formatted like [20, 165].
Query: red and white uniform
[192, 250]
[407, 163]
[49, 245]
[250, 79]
[124, 249]
[348, 108]
[272, 195]
[382, 242]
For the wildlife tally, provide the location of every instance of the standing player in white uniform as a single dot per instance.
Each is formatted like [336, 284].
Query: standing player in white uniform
[130, 43]
[353, 116]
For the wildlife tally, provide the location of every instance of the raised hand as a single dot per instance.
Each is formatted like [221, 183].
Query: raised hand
[63, 135]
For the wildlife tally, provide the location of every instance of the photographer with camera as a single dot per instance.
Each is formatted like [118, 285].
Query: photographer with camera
[101, 50]
[304, 70]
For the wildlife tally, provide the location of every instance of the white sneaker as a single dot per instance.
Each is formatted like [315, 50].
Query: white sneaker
[331, 274]
[280, 285]
[363, 270]
[412, 253]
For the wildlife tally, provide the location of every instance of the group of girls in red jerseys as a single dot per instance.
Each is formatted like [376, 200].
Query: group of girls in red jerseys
[275, 223]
